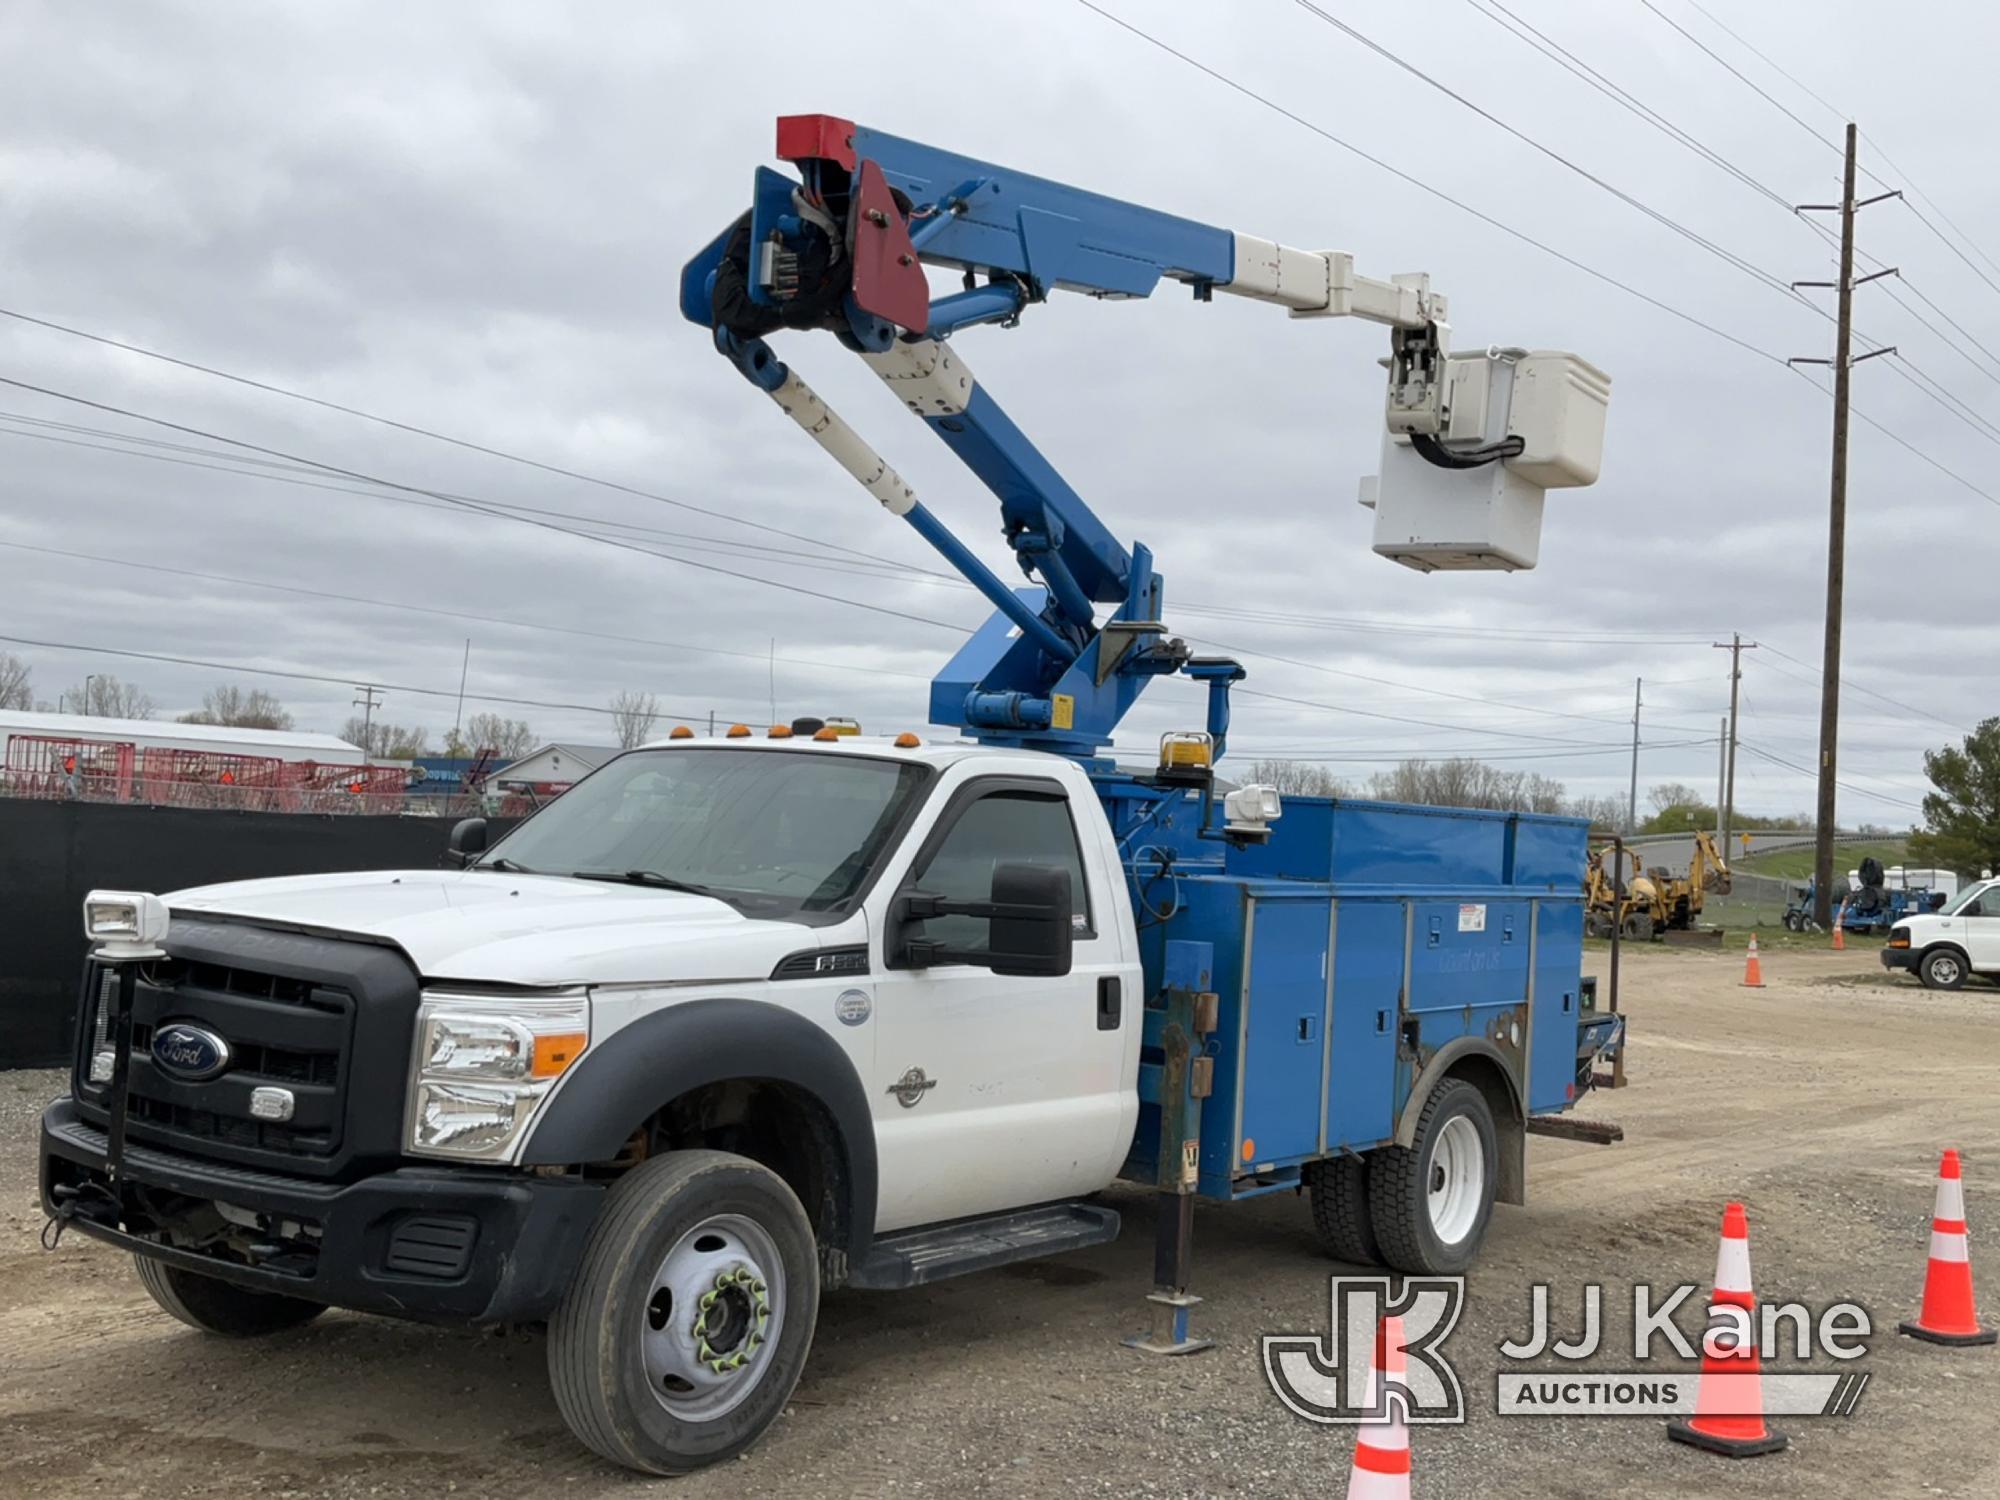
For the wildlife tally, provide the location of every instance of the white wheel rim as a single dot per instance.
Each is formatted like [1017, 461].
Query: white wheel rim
[1456, 1186]
[710, 1322]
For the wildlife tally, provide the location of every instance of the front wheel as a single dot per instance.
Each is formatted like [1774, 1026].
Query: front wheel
[688, 1323]
[1431, 1201]
[1942, 969]
[221, 1307]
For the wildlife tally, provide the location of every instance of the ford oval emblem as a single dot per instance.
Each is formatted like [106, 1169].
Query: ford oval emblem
[192, 1053]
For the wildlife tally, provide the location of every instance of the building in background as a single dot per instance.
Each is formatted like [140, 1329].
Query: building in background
[549, 771]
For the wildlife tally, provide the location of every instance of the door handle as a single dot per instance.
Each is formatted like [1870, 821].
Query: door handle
[1108, 1005]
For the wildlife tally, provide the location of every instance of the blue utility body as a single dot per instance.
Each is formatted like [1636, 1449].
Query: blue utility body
[1356, 945]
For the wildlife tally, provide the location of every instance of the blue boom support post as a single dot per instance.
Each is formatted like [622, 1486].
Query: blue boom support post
[1044, 672]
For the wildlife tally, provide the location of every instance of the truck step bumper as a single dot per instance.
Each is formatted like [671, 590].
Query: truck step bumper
[911, 1257]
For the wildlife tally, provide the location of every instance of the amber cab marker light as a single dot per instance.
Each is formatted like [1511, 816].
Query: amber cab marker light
[781, 731]
[681, 732]
[739, 731]
[907, 741]
[826, 736]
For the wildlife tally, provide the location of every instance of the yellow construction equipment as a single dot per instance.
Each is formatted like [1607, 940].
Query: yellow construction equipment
[1655, 900]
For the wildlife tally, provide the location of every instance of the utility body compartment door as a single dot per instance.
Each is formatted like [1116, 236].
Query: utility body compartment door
[993, 1091]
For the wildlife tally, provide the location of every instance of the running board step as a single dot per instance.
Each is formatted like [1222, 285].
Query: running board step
[911, 1257]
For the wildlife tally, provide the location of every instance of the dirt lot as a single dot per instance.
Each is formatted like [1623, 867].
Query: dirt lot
[1821, 1102]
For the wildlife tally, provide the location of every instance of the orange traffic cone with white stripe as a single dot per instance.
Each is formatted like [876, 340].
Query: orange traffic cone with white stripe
[1729, 1400]
[1753, 972]
[1382, 1447]
[1948, 1315]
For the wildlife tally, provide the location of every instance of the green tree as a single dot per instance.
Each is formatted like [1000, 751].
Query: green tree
[1962, 817]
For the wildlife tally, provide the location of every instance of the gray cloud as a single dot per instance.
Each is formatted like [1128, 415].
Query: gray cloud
[474, 221]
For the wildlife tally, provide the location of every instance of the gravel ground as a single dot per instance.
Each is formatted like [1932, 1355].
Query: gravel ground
[1821, 1102]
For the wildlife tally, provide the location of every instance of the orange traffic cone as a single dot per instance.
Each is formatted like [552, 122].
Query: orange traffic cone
[1753, 972]
[1839, 932]
[1729, 1400]
[1382, 1448]
[1948, 1316]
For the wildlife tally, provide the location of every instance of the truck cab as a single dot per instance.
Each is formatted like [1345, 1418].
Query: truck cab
[1946, 947]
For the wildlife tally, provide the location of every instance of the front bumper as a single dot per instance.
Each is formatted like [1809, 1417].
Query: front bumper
[441, 1244]
[1899, 958]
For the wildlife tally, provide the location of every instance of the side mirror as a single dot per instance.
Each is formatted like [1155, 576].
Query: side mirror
[1029, 931]
[467, 841]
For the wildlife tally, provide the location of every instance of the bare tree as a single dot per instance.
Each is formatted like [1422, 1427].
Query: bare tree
[15, 689]
[1672, 794]
[634, 715]
[103, 696]
[383, 740]
[509, 739]
[230, 705]
[1462, 782]
[1297, 778]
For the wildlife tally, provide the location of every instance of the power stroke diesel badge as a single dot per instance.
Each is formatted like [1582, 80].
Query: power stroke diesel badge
[911, 1088]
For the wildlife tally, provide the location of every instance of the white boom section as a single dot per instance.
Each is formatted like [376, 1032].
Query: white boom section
[826, 427]
[1323, 284]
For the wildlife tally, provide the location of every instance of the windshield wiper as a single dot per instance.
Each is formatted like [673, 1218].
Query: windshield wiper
[503, 865]
[644, 877]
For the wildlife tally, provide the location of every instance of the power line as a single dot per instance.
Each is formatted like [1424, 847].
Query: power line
[1525, 31]
[1856, 687]
[1770, 280]
[416, 430]
[479, 507]
[1742, 77]
[1438, 193]
[752, 550]
[296, 676]
[538, 626]
[1845, 786]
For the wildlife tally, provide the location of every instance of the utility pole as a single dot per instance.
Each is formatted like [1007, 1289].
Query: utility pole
[1735, 646]
[1632, 805]
[464, 666]
[1721, 785]
[368, 702]
[1843, 362]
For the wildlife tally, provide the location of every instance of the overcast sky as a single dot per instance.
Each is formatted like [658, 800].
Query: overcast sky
[472, 218]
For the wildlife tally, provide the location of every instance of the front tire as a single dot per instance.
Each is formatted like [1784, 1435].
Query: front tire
[219, 1307]
[688, 1323]
[1432, 1200]
[1341, 1217]
[1942, 969]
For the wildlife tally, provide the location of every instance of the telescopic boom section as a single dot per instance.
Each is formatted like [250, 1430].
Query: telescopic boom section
[843, 247]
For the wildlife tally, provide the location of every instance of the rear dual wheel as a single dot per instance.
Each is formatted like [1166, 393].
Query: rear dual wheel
[1421, 1209]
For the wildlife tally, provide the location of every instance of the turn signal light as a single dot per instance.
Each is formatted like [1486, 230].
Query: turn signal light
[555, 1051]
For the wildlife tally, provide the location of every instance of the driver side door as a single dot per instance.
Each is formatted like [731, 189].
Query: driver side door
[996, 1091]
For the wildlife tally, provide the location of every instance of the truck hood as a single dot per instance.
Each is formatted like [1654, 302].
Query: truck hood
[486, 927]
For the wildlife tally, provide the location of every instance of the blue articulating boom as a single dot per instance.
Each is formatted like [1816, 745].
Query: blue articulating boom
[843, 248]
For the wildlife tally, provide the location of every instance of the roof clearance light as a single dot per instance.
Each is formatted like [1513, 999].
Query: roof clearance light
[827, 735]
[739, 731]
[681, 732]
[907, 741]
[781, 731]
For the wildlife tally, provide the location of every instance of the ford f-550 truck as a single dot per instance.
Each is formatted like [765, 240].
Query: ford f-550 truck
[740, 1020]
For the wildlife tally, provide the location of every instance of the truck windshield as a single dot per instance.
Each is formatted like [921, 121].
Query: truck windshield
[1964, 899]
[780, 830]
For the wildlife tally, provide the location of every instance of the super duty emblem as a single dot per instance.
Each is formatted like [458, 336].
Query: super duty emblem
[911, 1088]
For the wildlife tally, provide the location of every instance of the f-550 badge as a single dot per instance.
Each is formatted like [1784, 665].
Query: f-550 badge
[911, 1088]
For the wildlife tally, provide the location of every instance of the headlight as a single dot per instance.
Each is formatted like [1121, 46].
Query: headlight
[125, 924]
[483, 1065]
